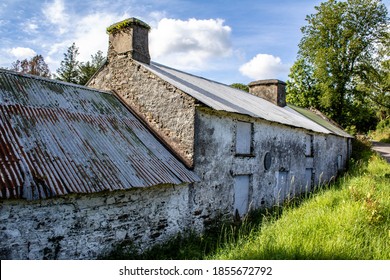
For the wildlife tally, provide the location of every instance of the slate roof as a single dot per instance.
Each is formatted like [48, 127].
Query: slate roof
[58, 138]
[222, 97]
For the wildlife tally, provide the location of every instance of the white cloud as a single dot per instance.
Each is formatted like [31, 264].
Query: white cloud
[264, 66]
[22, 53]
[90, 34]
[190, 44]
[55, 14]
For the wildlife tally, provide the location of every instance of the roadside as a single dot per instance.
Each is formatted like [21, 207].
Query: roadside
[383, 149]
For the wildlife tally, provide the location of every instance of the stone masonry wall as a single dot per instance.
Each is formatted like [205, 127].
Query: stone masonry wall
[86, 226]
[217, 163]
[168, 111]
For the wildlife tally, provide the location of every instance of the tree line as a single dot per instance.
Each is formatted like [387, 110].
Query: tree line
[71, 69]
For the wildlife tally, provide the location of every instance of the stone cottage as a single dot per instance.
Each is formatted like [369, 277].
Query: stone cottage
[250, 150]
[80, 173]
[147, 151]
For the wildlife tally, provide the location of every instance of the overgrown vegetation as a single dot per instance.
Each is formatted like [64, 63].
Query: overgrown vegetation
[349, 219]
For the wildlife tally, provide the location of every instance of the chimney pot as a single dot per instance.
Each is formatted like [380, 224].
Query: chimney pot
[271, 90]
[129, 37]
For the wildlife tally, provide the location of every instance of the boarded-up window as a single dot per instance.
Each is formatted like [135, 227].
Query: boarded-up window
[244, 138]
[309, 145]
[241, 194]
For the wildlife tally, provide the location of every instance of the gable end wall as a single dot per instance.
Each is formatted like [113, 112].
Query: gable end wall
[168, 111]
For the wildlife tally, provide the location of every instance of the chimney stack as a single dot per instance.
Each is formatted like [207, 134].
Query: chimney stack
[129, 37]
[271, 90]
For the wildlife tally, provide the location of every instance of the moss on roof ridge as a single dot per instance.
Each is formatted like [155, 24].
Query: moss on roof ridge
[126, 23]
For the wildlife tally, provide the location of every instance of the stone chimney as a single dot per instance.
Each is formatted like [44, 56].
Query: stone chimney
[271, 90]
[129, 38]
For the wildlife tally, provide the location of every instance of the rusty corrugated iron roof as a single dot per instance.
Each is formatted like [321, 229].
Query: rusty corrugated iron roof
[58, 138]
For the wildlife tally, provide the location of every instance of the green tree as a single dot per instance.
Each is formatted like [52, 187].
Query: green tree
[339, 40]
[302, 86]
[69, 70]
[89, 68]
[35, 66]
[375, 80]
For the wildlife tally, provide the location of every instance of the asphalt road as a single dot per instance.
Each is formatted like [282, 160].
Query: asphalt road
[383, 149]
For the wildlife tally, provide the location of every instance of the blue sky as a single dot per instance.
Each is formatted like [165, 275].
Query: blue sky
[227, 41]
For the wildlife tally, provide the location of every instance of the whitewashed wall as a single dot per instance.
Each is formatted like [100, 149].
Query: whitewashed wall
[298, 160]
[86, 226]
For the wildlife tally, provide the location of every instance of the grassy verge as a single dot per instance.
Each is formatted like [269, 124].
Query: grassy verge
[349, 219]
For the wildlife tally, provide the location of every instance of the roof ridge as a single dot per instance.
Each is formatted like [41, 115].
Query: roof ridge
[54, 81]
[196, 76]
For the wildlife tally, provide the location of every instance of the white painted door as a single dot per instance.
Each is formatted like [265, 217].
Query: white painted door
[241, 194]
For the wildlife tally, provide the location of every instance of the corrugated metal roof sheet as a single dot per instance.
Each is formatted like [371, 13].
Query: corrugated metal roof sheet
[58, 138]
[225, 98]
[319, 119]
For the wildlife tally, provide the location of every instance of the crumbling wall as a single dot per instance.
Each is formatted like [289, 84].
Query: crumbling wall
[86, 226]
[167, 110]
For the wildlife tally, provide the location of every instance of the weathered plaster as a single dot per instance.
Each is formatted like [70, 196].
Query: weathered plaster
[217, 164]
[86, 226]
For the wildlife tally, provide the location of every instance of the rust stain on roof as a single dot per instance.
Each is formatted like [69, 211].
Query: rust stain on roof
[57, 138]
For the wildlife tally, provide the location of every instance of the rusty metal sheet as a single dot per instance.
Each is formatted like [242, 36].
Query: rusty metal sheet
[58, 138]
[222, 97]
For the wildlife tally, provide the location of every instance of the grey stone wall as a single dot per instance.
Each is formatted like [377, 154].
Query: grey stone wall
[217, 163]
[86, 226]
[168, 111]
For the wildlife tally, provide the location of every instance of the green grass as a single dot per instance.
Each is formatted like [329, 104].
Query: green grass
[349, 219]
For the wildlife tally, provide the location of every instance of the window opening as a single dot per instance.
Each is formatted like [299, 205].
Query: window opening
[244, 134]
